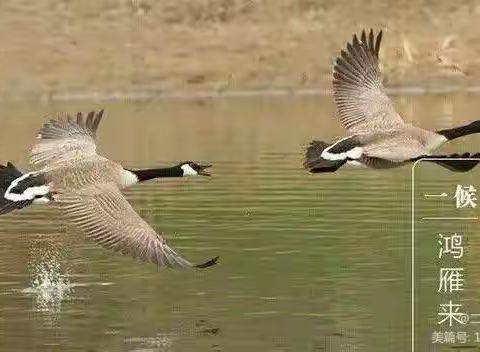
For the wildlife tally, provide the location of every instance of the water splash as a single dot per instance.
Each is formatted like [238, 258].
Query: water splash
[49, 281]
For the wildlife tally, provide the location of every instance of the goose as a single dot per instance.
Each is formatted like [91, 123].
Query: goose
[87, 187]
[377, 136]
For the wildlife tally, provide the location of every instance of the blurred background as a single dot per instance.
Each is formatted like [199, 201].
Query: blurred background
[64, 49]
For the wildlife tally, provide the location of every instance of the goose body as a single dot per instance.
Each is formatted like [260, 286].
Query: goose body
[87, 187]
[377, 136]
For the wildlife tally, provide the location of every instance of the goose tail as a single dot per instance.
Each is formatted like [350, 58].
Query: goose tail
[314, 161]
[8, 173]
[18, 190]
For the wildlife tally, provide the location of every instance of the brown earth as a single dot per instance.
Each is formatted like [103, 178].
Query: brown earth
[52, 48]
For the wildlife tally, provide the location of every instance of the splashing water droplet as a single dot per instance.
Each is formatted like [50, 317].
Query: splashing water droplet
[49, 283]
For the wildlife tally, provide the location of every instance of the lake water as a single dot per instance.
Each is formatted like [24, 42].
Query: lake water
[307, 262]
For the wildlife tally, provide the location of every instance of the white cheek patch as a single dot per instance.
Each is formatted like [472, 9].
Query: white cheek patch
[188, 170]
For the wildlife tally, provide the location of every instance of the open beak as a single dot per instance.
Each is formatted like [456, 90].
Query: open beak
[202, 168]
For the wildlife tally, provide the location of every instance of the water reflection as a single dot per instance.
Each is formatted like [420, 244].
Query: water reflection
[307, 263]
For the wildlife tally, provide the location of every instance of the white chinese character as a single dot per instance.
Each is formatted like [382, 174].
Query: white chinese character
[438, 337]
[466, 196]
[473, 318]
[451, 245]
[451, 280]
[462, 337]
[450, 337]
[451, 313]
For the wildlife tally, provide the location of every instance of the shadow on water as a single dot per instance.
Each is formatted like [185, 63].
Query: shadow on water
[307, 262]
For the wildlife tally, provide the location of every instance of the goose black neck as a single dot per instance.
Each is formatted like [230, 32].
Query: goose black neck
[453, 133]
[148, 174]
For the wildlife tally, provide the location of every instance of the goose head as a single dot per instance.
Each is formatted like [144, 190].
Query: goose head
[190, 168]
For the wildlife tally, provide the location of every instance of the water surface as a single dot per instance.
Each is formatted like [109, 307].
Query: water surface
[308, 262]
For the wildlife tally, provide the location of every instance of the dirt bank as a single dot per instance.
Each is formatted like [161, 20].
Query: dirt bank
[51, 47]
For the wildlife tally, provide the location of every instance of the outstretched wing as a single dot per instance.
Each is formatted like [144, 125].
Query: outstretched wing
[359, 95]
[104, 214]
[67, 139]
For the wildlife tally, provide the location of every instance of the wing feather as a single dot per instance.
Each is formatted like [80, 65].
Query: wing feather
[104, 214]
[66, 139]
[359, 95]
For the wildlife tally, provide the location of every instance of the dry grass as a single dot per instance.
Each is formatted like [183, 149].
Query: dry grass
[53, 46]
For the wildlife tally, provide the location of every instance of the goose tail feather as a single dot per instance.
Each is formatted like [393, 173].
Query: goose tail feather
[314, 161]
[8, 174]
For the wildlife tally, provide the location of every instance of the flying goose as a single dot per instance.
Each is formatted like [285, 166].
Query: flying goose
[87, 187]
[377, 137]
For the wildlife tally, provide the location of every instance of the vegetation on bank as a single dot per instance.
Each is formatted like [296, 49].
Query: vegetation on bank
[57, 46]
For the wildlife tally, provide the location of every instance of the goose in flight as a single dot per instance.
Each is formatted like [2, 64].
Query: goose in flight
[377, 137]
[87, 187]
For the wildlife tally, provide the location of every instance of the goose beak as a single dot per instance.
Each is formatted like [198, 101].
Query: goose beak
[202, 168]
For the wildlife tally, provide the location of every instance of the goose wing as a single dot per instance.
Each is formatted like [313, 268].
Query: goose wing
[104, 214]
[66, 139]
[361, 102]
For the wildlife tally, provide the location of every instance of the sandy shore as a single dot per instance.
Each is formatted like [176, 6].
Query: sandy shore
[59, 49]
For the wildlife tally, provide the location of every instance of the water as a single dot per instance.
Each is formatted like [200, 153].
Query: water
[307, 262]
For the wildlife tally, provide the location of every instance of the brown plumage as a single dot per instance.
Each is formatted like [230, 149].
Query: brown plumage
[66, 139]
[358, 92]
[104, 214]
[87, 187]
[377, 137]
